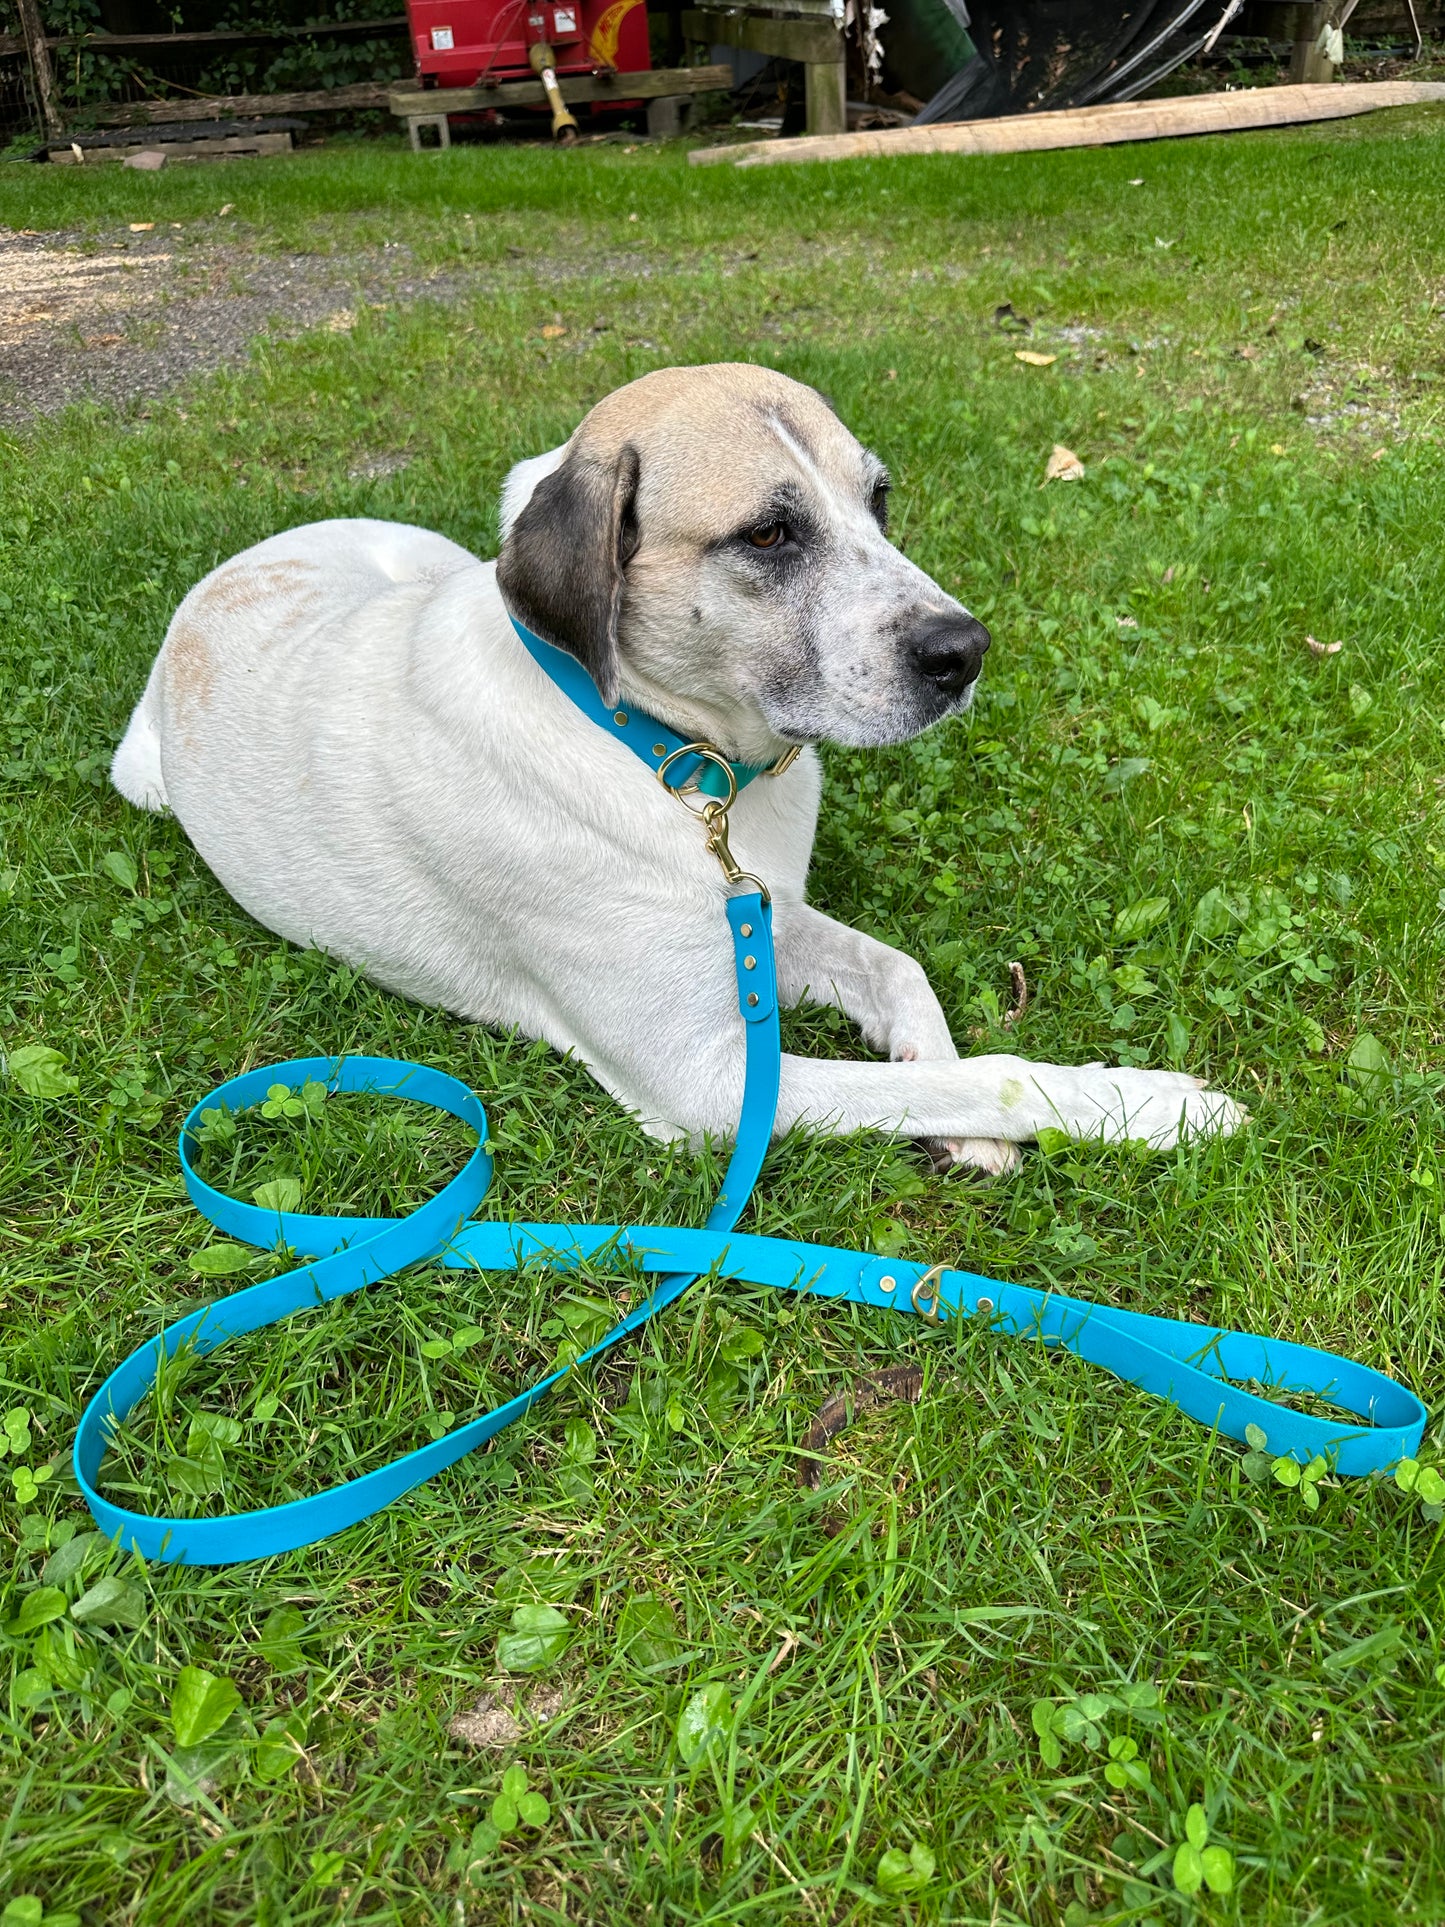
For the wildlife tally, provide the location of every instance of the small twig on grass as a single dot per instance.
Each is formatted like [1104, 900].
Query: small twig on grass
[1019, 984]
[785, 1651]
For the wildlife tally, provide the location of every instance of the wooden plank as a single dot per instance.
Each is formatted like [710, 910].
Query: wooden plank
[809, 40]
[33, 32]
[325, 100]
[424, 103]
[1092, 126]
[238, 145]
[102, 43]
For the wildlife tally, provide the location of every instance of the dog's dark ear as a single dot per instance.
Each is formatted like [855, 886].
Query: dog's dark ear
[561, 566]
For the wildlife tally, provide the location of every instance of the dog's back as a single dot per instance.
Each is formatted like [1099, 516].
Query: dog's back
[238, 612]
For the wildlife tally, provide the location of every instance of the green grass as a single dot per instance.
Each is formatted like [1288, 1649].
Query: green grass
[1153, 726]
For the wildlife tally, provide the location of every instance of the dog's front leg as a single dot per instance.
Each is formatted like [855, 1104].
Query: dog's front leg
[888, 996]
[885, 992]
[1001, 1098]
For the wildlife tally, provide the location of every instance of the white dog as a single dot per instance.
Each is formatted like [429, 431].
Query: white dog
[361, 748]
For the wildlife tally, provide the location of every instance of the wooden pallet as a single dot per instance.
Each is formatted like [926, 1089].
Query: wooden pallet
[234, 146]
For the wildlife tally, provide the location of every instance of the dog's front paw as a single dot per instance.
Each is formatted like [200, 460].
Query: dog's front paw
[1160, 1107]
[995, 1157]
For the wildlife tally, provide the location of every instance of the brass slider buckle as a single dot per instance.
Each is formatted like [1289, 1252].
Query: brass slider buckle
[927, 1290]
[714, 812]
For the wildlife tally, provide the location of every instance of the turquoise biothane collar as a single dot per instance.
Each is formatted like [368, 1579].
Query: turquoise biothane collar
[647, 738]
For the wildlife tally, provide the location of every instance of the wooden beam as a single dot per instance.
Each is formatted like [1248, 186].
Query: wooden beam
[817, 43]
[102, 43]
[33, 33]
[417, 103]
[1092, 126]
[1308, 63]
[825, 97]
[811, 41]
[142, 113]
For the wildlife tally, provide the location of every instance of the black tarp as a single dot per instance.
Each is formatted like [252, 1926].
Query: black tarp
[1035, 55]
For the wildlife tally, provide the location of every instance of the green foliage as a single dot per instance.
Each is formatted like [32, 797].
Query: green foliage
[26, 1910]
[222, 1259]
[516, 1806]
[1428, 1486]
[647, 1634]
[900, 1874]
[704, 1722]
[1305, 1479]
[110, 1602]
[538, 1639]
[39, 1071]
[284, 62]
[201, 1704]
[1197, 1865]
[279, 1640]
[1080, 1722]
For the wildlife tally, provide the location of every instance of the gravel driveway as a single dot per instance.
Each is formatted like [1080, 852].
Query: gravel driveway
[127, 318]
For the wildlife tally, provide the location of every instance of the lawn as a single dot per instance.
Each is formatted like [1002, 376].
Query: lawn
[985, 1670]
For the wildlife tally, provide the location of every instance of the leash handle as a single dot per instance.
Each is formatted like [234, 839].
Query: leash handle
[350, 1254]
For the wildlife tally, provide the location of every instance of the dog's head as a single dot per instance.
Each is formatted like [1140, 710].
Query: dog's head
[712, 541]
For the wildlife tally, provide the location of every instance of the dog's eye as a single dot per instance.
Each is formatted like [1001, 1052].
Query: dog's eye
[768, 535]
[879, 505]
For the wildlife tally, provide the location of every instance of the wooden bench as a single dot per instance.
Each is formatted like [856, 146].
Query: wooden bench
[665, 89]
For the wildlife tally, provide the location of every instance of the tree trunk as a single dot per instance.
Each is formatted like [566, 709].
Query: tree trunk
[34, 33]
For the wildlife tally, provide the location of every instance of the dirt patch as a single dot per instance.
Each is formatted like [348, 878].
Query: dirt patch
[125, 321]
[490, 1724]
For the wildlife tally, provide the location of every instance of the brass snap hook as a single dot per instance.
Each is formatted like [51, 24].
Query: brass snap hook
[926, 1290]
[714, 812]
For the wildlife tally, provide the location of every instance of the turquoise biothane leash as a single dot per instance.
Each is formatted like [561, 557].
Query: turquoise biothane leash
[1200, 1368]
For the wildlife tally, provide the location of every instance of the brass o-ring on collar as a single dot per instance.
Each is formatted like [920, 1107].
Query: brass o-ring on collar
[707, 754]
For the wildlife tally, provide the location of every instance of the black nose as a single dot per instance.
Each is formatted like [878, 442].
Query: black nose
[947, 650]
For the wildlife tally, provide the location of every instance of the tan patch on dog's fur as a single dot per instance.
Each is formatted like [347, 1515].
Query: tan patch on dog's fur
[711, 433]
[245, 588]
[190, 661]
[190, 672]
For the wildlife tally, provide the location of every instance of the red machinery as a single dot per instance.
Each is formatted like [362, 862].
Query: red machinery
[469, 43]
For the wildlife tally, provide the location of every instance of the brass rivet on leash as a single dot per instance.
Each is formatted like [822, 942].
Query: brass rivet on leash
[888, 1282]
[659, 749]
[750, 963]
[620, 716]
[752, 996]
[745, 929]
[985, 1304]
